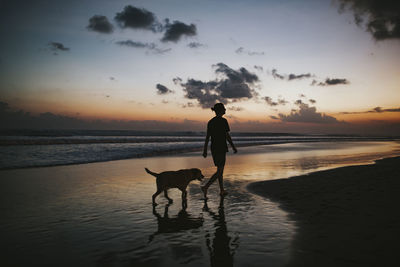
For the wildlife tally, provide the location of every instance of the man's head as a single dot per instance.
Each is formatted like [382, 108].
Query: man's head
[219, 109]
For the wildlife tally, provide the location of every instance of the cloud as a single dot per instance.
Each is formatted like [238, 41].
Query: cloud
[374, 110]
[233, 108]
[100, 24]
[312, 101]
[306, 114]
[137, 18]
[291, 76]
[150, 46]
[162, 90]
[259, 68]
[188, 105]
[270, 102]
[135, 44]
[20, 119]
[336, 81]
[276, 75]
[140, 18]
[177, 80]
[195, 45]
[381, 18]
[174, 31]
[297, 77]
[282, 101]
[234, 85]
[329, 81]
[55, 47]
[241, 50]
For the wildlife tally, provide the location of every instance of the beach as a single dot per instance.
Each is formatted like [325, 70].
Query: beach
[344, 217]
[101, 214]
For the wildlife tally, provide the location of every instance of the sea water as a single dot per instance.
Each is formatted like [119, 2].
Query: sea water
[27, 148]
[100, 214]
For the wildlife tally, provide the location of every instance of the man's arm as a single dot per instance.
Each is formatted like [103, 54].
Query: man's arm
[228, 137]
[206, 145]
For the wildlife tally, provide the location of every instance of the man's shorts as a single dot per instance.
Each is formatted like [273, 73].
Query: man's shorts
[219, 158]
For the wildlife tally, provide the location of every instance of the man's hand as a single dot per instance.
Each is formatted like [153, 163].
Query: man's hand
[205, 154]
[234, 150]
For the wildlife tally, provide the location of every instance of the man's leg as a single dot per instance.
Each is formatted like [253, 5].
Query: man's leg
[220, 171]
[212, 180]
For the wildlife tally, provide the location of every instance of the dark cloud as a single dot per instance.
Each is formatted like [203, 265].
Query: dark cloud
[299, 102]
[270, 102]
[137, 18]
[282, 101]
[174, 31]
[136, 44]
[195, 45]
[336, 81]
[307, 114]
[188, 105]
[243, 75]
[291, 76]
[241, 50]
[300, 76]
[56, 47]
[329, 81]
[204, 92]
[234, 85]
[259, 68]
[177, 80]
[274, 117]
[19, 119]
[100, 24]
[162, 90]
[381, 18]
[374, 110]
[233, 108]
[390, 110]
[276, 75]
[150, 46]
[312, 101]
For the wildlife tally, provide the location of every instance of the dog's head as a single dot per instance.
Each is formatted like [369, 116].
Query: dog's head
[196, 174]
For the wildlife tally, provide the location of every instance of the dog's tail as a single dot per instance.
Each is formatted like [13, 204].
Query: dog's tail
[150, 172]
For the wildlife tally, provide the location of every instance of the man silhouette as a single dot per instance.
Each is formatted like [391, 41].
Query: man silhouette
[218, 129]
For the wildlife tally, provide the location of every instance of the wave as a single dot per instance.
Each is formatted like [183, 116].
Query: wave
[52, 148]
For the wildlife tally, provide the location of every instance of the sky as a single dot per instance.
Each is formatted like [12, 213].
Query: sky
[304, 66]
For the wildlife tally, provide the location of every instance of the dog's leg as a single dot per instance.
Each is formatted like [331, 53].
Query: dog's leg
[184, 199]
[167, 197]
[155, 195]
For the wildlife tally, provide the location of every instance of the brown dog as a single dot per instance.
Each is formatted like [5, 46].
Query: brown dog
[174, 179]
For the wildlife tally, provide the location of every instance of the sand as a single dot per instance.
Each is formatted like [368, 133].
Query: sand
[345, 217]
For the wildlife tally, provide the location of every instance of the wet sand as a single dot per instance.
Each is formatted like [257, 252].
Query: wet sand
[345, 217]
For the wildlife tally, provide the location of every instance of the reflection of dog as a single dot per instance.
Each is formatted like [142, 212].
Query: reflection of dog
[181, 222]
[174, 179]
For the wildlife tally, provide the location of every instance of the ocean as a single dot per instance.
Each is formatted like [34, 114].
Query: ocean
[40, 148]
[101, 214]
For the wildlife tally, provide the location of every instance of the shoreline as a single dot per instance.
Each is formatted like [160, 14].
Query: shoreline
[175, 152]
[344, 216]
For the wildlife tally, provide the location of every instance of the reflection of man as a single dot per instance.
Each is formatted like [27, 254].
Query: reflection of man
[221, 253]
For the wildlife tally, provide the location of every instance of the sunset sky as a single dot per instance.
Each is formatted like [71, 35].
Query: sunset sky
[279, 66]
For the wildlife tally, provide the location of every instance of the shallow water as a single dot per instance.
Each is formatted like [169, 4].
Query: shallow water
[101, 213]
